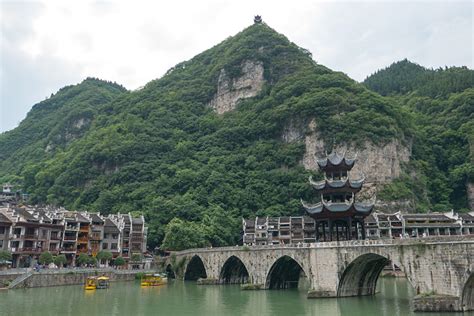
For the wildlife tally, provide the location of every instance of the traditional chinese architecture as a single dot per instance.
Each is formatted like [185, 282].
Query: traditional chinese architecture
[338, 215]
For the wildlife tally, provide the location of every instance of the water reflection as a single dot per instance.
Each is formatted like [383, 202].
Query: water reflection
[186, 298]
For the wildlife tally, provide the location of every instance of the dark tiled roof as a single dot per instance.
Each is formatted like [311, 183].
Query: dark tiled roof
[81, 219]
[96, 218]
[261, 220]
[25, 214]
[466, 216]
[4, 219]
[137, 221]
[110, 227]
[431, 216]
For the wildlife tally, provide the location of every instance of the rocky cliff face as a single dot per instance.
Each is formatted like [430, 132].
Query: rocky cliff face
[230, 91]
[470, 195]
[379, 164]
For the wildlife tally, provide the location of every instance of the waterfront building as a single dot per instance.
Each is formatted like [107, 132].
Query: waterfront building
[338, 215]
[378, 225]
[5, 228]
[28, 231]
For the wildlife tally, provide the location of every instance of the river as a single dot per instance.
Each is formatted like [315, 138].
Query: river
[187, 298]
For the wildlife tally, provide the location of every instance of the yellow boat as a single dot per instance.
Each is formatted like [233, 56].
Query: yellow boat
[103, 282]
[151, 279]
[91, 283]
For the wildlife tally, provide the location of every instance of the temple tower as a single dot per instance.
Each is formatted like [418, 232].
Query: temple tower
[338, 216]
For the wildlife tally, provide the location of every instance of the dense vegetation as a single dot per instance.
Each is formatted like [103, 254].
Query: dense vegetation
[441, 104]
[162, 151]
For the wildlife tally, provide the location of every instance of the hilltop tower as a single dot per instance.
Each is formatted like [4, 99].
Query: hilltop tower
[338, 216]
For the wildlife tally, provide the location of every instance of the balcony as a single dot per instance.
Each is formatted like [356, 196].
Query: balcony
[27, 250]
[96, 236]
[29, 236]
[55, 237]
[84, 229]
[82, 250]
[68, 249]
[72, 228]
[69, 237]
[83, 240]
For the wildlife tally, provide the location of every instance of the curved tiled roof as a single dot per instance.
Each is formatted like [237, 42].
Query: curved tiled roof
[340, 207]
[335, 184]
[335, 159]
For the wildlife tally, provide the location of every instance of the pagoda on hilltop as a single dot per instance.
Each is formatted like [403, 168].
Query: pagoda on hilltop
[338, 216]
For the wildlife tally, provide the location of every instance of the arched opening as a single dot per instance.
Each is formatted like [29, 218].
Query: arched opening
[285, 273]
[468, 294]
[169, 272]
[361, 275]
[233, 272]
[195, 269]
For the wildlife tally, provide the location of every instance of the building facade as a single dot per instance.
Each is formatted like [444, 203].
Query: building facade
[28, 231]
[301, 229]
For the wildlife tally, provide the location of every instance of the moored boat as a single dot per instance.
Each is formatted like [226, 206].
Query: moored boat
[91, 283]
[151, 279]
[103, 282]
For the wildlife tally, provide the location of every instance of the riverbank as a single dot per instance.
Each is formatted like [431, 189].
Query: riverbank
[61, 277]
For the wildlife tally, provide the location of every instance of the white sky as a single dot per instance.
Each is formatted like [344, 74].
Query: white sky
[45, 45]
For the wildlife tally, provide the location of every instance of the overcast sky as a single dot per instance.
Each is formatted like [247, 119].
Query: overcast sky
[45, 45]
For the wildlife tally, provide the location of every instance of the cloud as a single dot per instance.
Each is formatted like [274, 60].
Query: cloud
[49, 44]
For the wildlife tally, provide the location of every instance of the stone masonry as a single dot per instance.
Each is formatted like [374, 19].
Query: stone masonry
[437, 268]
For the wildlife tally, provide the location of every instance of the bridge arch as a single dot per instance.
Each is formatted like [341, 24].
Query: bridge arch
[233, 271]
[284, 273]
[468, 294]
[361, 275]
[169, 271]
[195, 269]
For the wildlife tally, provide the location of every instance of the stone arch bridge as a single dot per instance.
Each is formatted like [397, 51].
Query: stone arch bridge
[441, 270]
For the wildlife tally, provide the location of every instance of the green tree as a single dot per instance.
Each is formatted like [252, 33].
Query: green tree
[60, 260]
[82, 259]
[46, 258]
[92, 261]
[136, 257]
[5, 255]
[104, 255]
[180, 235]
[119, 261]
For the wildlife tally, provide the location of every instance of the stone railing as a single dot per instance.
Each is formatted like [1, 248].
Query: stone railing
[337, 244]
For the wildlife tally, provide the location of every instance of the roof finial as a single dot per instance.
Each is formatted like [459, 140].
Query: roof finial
[257, 19]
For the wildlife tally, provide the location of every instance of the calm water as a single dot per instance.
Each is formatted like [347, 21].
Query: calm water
[186, 298]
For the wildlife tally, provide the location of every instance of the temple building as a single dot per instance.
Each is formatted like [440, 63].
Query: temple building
[338, 216]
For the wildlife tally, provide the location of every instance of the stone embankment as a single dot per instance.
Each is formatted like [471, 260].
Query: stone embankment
[45, 278]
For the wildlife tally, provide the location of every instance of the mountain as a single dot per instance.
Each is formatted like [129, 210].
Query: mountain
[53, 124]
[441, 104]
[230, 133]
[403, 77]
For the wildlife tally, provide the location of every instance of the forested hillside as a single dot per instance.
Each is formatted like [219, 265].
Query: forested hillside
[164, 151]
[441, 104]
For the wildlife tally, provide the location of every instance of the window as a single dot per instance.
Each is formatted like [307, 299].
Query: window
[114, 246]
[105, 245]
[2, 230]
[1, 244]
[114, 236]
[44, 232]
